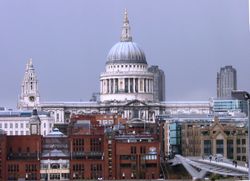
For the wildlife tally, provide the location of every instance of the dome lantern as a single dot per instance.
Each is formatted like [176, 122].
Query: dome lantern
[126, 51]
[126, 29]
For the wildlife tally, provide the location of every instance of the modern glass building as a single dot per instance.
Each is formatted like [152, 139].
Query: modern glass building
[227, 106]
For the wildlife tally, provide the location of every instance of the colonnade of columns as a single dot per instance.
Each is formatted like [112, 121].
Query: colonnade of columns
[127, 85]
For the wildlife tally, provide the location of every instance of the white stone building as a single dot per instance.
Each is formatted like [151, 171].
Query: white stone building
[18, 122]
[126, 87]
[126, 76]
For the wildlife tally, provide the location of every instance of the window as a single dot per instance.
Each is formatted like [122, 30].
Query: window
[238, 150]
[238, 141]
[11, 125]
[125, 165]
[143, 149]
[78, 167]
[0, 125]
[21, 125]
[243, 150]
[207, 147]
[96, 171]
[5, 125]
[127, 157]
[243, 141]
[133, 149]
[16, 125]
[44, 125]
[230, 149]
[95, 144]
[219, 147]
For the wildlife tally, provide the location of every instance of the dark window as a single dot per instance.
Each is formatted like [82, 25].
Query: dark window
[219, 147]
[207, 147]
[96, 144]
[243, 150]
[96, 171]
[238, 150]
[230, 149]
[143, 149]
[133, 150]
[238, 141]
[125, 165]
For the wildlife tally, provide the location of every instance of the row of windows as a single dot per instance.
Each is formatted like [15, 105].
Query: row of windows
[117, 66]
[241, 150]
[30, 167]
[96, 167]
[13, 168]
[241, 141]
[11, 125]
[133, 166]
[95, 144]
[78, 167]
[20, 149]
[78, 142]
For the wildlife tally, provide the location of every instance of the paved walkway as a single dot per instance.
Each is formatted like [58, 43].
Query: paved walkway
[222, 167]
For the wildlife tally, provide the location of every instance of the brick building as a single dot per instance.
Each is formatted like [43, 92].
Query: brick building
[23, 157]
[3, 140]
[98, 146]
[113, 150]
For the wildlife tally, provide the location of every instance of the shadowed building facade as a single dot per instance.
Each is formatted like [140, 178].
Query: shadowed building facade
[226, 82]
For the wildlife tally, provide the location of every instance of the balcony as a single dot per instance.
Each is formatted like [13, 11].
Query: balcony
[88, 155]
[23, 156]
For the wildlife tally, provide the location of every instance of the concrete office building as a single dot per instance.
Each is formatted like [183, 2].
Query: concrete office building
[226, 82]
[158, 83]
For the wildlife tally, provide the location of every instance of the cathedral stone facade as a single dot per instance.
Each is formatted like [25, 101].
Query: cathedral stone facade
[126, 87]
[126, 76]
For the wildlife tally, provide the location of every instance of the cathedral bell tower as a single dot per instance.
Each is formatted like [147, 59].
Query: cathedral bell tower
[29, 98]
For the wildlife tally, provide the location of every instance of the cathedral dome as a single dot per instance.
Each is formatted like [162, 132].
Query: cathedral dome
[126, 51]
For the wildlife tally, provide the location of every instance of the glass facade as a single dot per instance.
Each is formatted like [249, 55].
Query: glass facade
[229, 105]
[175, 138]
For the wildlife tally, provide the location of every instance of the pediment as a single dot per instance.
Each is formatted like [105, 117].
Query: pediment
[136, 103]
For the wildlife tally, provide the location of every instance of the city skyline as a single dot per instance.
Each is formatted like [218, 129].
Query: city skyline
[64, 69]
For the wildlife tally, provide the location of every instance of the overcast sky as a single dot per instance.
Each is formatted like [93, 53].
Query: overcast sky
[69, 41]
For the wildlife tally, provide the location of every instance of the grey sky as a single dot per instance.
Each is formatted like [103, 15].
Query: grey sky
[69, 41]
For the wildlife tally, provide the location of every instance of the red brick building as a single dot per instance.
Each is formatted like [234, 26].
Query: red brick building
[113, 150]
[98, 146]
[23, 157]
[3, 140]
